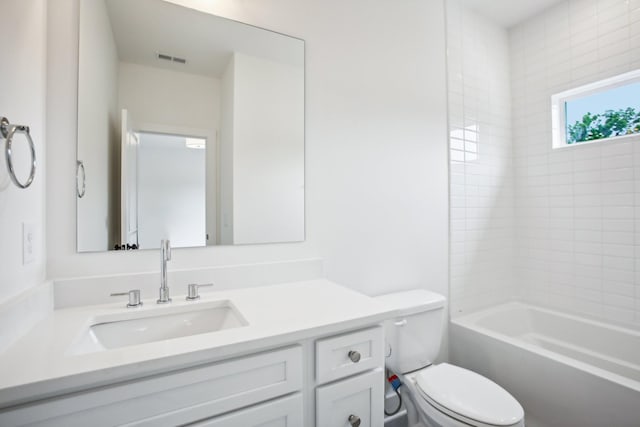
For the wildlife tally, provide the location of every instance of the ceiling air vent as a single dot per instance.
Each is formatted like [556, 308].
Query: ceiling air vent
[170, 58]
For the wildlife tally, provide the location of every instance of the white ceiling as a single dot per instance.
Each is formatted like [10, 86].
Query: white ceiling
[143, 28]
[508, 13]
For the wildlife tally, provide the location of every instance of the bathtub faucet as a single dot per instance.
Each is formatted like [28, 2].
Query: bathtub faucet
[165, 255]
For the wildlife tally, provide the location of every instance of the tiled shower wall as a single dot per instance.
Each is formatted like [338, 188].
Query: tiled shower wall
[481, 162]
[577, 208]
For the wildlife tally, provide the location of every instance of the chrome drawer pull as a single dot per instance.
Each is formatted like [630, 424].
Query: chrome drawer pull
[354, 356]
[354, 420]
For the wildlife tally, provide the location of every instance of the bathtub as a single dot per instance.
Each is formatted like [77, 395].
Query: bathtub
[565, 370]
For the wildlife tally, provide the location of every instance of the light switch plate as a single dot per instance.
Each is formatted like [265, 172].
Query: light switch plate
[28, 243]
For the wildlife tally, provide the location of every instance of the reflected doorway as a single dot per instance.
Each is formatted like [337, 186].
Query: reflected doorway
[171, 190]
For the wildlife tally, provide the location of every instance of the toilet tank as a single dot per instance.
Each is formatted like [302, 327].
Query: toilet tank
[413, 336]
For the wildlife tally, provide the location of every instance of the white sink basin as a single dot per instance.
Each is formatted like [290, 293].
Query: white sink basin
[158, 324]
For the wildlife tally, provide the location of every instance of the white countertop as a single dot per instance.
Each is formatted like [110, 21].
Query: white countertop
[40, 365]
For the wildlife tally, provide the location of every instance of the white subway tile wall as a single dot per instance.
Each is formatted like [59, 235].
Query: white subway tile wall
[577, 208]
[558, 228]
[482, 204]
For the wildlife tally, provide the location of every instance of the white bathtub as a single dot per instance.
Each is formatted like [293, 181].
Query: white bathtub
[565, 370]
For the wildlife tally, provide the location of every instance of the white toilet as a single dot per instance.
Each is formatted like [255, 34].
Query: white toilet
[444, 395]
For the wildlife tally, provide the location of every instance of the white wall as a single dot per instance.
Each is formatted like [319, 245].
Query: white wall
[376, 169]
[268, 151]
[98, 132]
[22, 101]
[171, 192]
[167, 97]
[226, 153]
[481, 157]
[577, 207]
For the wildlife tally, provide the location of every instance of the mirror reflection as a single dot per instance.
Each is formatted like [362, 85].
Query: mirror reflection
[190, 128]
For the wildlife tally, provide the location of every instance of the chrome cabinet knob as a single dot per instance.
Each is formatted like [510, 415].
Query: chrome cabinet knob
[134, 297]
[192, 291]
[354, 356]
[354, 420]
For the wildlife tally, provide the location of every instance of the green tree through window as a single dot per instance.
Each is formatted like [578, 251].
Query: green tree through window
[606, 125]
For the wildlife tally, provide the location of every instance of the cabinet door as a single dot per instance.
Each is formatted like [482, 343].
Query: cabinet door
[359, 397]
[285, 412]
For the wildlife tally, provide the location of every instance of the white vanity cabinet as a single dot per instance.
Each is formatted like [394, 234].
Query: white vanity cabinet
[323, 381]
[307, 354]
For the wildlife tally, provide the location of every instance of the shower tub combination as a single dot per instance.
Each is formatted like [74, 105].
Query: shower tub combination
[565, 370]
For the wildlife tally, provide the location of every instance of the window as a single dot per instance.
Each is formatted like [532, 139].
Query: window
[602, 110]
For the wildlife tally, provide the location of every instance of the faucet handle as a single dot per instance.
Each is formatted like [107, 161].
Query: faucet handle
[134, 297]
[192, 291]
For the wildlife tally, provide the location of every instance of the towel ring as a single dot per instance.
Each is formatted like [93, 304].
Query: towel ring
[8, 130]
[80, 165]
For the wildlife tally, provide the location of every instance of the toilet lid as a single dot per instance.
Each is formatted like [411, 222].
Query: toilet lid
[469, 394]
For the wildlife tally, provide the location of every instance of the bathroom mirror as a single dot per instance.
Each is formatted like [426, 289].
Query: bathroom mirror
[190, 128]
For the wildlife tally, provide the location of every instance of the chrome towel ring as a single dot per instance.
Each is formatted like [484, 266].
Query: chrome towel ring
[80, 165]
[8, 130]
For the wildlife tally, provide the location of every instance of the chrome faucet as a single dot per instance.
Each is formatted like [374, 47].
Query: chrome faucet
[165, 255]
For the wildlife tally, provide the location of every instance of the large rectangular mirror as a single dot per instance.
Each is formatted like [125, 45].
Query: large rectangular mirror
[190, 128]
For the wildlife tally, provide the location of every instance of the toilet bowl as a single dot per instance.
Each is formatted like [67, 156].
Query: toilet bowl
[444, 395]
[450, 396]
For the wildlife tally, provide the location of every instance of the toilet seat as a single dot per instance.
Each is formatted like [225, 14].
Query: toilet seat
[467, 397]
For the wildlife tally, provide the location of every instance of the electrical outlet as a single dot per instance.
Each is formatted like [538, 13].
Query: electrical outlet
[28, 243]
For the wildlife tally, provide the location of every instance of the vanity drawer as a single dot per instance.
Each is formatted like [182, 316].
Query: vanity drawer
[345, 402]
[285, 412]
[176, 398]
[349, 354]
